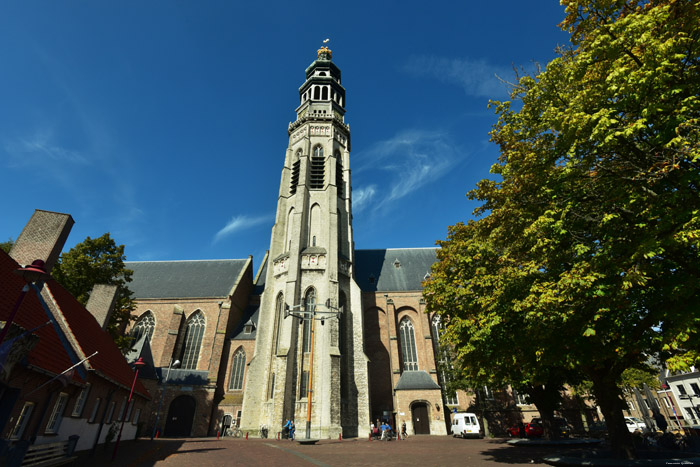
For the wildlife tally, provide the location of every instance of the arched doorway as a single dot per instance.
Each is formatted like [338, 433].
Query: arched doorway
[180, 417]
[421, 422]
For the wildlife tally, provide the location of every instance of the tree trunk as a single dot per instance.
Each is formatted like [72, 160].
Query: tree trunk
[609, 399]
[546, 399]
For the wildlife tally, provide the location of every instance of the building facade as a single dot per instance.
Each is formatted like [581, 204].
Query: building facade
[331, 337]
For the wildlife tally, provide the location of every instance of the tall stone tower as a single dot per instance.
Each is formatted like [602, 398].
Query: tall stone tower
[310, 268]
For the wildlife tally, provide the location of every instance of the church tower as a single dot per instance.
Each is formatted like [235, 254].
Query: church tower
[309, 358]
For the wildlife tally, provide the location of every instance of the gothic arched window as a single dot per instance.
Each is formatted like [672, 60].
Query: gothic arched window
[310, 305]
[237, 370]
[314, 225]
[444, 366]
[279, 316]
[144, 326]
[290, 230]
[408, 345]
[193, 340]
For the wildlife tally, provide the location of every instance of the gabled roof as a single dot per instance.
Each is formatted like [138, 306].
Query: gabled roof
[84, 332]
[184, 279]
[415, 380]
[393, 269]
[49, 353]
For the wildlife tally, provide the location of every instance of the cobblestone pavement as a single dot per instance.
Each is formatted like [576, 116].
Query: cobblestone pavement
[417, 450]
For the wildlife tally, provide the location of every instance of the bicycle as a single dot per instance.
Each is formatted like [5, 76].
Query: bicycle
[234, 432]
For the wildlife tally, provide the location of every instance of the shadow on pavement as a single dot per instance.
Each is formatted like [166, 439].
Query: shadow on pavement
[504, 453]
[139, 453]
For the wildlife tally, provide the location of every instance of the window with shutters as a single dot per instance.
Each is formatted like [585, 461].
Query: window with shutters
[318, 169]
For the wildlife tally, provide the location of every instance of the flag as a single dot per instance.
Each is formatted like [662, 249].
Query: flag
[6, 346]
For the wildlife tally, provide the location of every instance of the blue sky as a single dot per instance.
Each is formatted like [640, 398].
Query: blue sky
[165, 122]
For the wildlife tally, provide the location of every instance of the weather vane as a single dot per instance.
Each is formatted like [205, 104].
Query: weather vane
[325, 41]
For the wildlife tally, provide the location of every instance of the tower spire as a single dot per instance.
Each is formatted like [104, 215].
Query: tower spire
[311, 263]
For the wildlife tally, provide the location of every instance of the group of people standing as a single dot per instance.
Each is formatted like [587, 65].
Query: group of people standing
[385, 431]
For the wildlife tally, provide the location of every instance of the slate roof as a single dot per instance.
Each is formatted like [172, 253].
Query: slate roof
[262, 273]
[184, 279]
[415, 380]
[393, 269]
[184, 377]
[49, 354]
[250, 314]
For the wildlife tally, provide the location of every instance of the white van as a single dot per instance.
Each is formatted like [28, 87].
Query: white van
[466, 425]
[634, 424]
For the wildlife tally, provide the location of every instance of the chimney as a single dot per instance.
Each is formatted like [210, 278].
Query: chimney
[42, 238]
[101, 303]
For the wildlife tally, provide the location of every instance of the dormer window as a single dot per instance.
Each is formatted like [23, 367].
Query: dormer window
[397, 263]
[249, 327]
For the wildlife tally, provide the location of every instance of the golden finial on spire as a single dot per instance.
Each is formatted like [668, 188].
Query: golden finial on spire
[325, 50]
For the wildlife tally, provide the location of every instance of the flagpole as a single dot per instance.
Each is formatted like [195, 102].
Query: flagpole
[59, 375]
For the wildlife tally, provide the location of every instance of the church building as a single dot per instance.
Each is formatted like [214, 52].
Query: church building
[331, 337]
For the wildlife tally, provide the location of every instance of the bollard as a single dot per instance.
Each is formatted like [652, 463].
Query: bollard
[370, 436]
[278, 436]
[398, 436]
[246, 435]
[157, 433]
[217, 435]
[340, 436]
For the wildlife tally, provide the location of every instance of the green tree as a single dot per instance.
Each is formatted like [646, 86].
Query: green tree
[7, 246]
[99, 261]
[590, 238]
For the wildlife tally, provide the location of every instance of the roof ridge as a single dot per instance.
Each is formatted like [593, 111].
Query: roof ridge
[186, 260]
[407, 248]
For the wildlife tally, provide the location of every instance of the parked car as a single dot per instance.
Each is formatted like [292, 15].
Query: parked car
[559, 424]
[634, 424]
[466, 425]
[525, 430]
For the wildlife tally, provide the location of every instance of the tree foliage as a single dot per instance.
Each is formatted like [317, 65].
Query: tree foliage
[586, 257]
[7, 246]
[98, 261]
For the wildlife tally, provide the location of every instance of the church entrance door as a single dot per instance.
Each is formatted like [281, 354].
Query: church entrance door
[180, 417]
[421, 424]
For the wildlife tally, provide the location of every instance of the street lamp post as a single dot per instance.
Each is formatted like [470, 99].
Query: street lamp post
[173, 364]
[314, 314]
[138, 364]
[32, 273]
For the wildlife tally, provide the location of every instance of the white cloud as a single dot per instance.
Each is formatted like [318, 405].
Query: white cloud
[406, 163]
[362, 197]
[238, 223]
[41, 148]
[478, 77]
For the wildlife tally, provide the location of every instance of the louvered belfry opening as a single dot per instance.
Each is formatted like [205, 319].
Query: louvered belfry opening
[339, 174]
[295, 177]
[317, 169]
